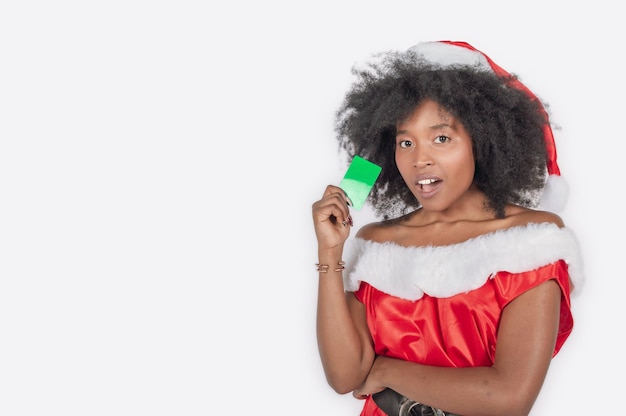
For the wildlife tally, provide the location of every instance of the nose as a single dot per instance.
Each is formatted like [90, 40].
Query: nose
[422, 157]
[422, 163]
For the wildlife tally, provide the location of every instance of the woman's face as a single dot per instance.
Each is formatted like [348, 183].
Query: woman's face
[434, 155]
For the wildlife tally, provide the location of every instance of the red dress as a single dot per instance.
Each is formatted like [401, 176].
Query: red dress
[428, 305]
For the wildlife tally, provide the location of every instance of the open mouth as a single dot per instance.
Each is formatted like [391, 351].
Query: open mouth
[426, 184]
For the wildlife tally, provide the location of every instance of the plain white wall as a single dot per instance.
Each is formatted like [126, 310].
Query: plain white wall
[158, 161]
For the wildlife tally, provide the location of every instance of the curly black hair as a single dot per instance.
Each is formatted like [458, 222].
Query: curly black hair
[505, 123]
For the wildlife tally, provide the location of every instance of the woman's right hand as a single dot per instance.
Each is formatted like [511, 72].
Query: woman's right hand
[331, 218]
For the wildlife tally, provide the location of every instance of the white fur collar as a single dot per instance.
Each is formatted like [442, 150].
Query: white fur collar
[444, 271]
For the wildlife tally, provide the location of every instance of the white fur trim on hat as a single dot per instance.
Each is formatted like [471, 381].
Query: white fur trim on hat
[446, 55]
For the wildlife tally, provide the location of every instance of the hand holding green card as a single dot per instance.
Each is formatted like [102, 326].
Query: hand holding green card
[359, 180]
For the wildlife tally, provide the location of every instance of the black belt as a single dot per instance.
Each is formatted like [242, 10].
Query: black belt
[395, 404]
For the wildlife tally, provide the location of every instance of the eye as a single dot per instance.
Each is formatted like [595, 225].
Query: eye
[405, 143]
[442, 139]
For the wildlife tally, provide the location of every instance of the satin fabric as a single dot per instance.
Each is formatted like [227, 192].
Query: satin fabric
[458, 331]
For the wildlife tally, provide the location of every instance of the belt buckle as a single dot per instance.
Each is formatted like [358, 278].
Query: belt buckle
[409, 407]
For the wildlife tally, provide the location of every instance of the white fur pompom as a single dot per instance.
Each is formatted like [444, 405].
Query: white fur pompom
[555, 194]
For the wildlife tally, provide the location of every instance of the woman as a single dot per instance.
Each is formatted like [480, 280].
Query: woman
[457, 300]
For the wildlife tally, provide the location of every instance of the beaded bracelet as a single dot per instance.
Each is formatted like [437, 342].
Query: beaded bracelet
[323, 268]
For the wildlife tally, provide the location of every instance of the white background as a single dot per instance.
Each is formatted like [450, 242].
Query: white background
[158, 161]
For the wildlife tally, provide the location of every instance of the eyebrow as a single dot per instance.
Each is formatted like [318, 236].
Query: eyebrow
[435, 127]
[440, 126]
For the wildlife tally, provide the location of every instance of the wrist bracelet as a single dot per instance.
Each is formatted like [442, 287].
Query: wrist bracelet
[323, 268]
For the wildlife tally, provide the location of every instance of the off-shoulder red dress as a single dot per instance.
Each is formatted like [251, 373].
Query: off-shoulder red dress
[442, 305]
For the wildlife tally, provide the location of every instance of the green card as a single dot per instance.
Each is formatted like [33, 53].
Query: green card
[359, 180]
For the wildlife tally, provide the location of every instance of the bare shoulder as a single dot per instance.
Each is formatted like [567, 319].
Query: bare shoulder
[380, 231]
[371, 231]
[525, 216]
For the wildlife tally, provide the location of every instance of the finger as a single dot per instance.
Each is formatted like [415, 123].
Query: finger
[334, 196]
[332, 208]
[359, 396]
[332, 190]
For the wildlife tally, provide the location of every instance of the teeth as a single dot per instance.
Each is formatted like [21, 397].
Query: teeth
[426, 181]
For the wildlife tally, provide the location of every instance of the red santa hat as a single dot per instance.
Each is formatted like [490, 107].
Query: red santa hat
[447, 53]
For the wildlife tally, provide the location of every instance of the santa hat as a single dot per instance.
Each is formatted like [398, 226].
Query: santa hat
[447, 53]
